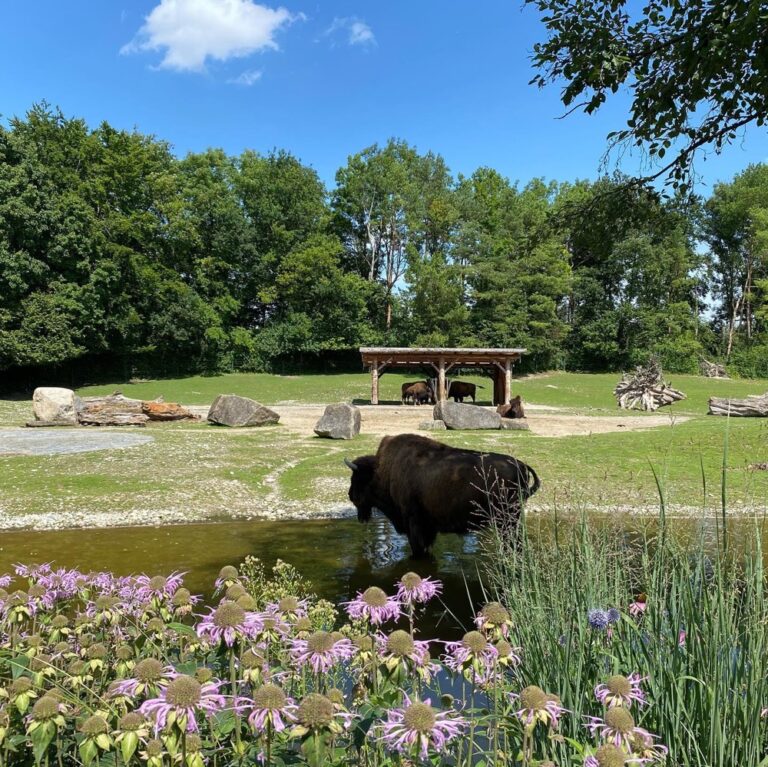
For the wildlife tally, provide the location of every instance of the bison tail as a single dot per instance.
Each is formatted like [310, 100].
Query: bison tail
[529, 491]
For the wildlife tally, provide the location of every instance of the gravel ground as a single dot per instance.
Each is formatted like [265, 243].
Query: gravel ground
[58, 441]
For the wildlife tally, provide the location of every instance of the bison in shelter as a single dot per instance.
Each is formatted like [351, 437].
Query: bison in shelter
[460, 389]
[425, 487]
[418, 393]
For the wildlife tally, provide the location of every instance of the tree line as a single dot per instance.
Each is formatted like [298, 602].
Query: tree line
[113, 249]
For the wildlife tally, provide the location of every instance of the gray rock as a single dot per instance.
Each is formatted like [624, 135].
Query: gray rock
[433, 425]
[339, 421]
[518, 424]
[231, 410]
[50, 403]
[460, 416]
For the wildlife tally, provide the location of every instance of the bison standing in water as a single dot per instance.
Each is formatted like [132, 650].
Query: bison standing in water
[425, 487]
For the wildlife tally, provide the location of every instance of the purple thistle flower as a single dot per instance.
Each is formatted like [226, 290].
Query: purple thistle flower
[270, 707]
[5, 581]
[621, 691]
[180, 700]
[373, 605]
[537, 706]
[419, 727]
[289, 608]
[228, 623]
[494, 619]
[321, 651]
[158, 587]
[228, 575]
[474, 655]
[412, 589]
[598, 619]
[148, 675]
[401, 650]
[618, 728]
[614, 616]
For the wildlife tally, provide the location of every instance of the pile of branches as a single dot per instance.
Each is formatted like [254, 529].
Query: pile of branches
[712, 369]
[645, 389]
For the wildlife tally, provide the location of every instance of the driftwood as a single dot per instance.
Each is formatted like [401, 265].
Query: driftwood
[645, 389]
[712, 369]
[755, 406]
[113, 419]
[167, 411]
[117, 410]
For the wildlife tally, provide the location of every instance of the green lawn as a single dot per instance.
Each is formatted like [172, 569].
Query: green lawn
[272, 470]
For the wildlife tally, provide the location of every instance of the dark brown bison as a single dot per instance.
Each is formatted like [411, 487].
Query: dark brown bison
[460, 389]
[418, 393]
[425, 487]
[514, 409]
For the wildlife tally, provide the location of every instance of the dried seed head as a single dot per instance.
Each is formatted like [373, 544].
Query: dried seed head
[533, 698]
[36, 591]
[105, 602]
[86, 640]
[20, 686]
[495, 613]
[194, 742]
[182, 597]
[61, 647]
[363, 642]
[247, 602]
[156, 625]
[124, 652]
[252, 659]
[77, 667]
[235, 591]
[320, 641]
[94, 725]
[34, 640]
[183, 691]
[400, 643]
[131, 722]
[97, 651]
[411, 580]
[474, 641]
[315, 711]
[148, 670]
[619, 685]
[288, 604]
[155, 747]
[228, 573]
[420, 717]
[46, 708]
[59, 622]
[503, 648]
[203, 674]
[303, 624]
[228, 615]
[269, 696]
[336, 696]
[39, 663]
[620, 720]
[374, 597]
[610, 756]
[158, 582]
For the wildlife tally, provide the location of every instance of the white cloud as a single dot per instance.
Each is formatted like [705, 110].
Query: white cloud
[247, 78]
[357, 31]
[190, 32]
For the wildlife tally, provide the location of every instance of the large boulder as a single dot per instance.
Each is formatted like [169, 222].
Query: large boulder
[339, 421]
[231, 410]
[432, 426]
[50, 403]
[460, 416]
[518, 424]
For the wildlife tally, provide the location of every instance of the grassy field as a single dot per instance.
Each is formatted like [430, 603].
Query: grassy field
[194, 470]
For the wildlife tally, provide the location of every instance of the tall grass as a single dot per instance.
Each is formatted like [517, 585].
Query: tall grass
[701, 642]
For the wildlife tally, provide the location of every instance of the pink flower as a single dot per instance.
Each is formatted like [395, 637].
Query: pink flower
[374, 605]
[156, 587]
[270, 707]
[228, 623]
[321, 651]
[621, 691]
[538, 706]
[419, 727]
[618, 728]
[474, 656]
[180, 700]
[412, 589]
[637, 609]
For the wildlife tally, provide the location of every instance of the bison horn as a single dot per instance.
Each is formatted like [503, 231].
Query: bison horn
[351, 464]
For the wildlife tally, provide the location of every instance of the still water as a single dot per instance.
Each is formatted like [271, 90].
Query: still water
[339, 556]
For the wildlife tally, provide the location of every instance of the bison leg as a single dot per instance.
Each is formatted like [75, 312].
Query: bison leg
[421, 536]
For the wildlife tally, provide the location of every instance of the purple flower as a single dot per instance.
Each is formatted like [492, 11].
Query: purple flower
[321, 651]
[412, 589]
[494, 619]
[474, 656]
[401, 650]
[608, 756]
[157, 587]
[373, 605]
[614, 616]
[637, 608]
[598, 619]
[621, 691]
[270, 707]
[419, 727]
[228, 575]
[179, 701]
[228, 623]
[618, 728]
[538, 706]
[148, 675]
[5, 581]
[289, 608]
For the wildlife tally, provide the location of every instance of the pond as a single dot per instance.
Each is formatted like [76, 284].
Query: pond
[339, 556]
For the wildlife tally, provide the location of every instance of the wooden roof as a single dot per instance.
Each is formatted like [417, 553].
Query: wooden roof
[394, 355]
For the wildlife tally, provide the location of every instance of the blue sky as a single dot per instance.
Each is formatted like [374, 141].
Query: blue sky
[323, 80]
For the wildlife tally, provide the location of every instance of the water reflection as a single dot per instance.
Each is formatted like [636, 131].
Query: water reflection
[339, 556]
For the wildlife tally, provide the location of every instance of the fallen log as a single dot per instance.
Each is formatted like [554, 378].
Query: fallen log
[113, 419]
[167, 411]
[754, 406]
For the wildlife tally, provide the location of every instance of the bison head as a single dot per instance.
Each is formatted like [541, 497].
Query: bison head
[362, 484]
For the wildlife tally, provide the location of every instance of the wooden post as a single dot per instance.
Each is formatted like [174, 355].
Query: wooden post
[375, 381]
[441, 395]
[507, 381]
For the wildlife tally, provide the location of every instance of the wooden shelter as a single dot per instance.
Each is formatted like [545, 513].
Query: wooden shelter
[496, 362]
